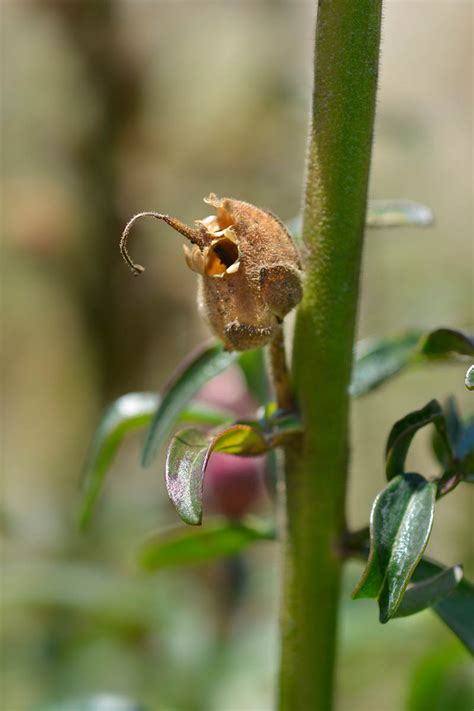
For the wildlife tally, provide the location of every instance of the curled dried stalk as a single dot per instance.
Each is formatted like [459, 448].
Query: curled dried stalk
[194, 236]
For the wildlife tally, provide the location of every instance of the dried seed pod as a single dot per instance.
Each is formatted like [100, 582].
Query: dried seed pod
[249, 268]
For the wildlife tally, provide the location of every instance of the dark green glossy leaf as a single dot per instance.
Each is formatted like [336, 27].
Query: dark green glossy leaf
[128, 413]
[398, 213]
[447, 340]
[188, 546]
[188, 456]
[404, 430]
[252, 364]
[469, 378]
[457, 609]
[465, 451]
[419, 596]
[400, 525]
[98, 702]
[454, 425]
[192, 375]
[377, 360]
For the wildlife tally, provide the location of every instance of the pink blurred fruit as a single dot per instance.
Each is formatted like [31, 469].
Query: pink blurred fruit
[233, 486]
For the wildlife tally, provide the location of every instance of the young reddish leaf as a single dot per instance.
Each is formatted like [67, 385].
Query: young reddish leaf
[404, 430]
[187, 546]
[447, 340]
[419, 596]
[400, 525]
[202, 365]
[187, 459]
[190, 449]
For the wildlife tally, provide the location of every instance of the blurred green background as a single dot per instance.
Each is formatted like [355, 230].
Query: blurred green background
[113, 107]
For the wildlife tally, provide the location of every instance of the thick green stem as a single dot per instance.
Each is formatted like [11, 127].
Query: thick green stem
[346, 68]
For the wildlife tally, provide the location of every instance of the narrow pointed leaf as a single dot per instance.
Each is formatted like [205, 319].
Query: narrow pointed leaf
[187, 546]
[382, 213]
[252, 364]
[398, 213]
[469, 378]
[377, 360]
[400, 525]
[129, 412]
[189, 379]
[404, 430]
[465, 451]
[188, 456]
[98, 702]
[419, 596]
[447, 340]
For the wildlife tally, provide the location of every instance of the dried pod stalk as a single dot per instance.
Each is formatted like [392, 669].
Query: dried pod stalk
[249, 267]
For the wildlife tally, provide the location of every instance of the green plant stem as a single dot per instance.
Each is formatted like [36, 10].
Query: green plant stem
[346, 69]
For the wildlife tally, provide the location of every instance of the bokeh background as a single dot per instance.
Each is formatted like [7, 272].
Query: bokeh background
[111, 107]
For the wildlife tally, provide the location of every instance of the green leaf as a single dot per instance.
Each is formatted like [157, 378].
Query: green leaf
[419, 596]
[98, 702]
[465, 451]
[187, 546]
[128, 413]
[398, 213]
[404, 430]
[81, 588]
[252, 364]
[400, 525]
[378, 359]
[188, 456]
[442, 680]
[457, 609]
[469, 378]
[191, 376]
[381, 213]
[447, 340]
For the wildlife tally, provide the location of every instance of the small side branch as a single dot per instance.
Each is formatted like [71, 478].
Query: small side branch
[279, 371]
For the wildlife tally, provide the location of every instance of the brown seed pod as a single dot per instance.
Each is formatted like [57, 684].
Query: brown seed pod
[249, 267]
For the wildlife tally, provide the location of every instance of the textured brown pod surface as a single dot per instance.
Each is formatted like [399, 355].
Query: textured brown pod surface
[249, 267]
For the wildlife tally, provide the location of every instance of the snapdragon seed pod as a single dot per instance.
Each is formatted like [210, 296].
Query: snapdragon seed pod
[249, 269]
